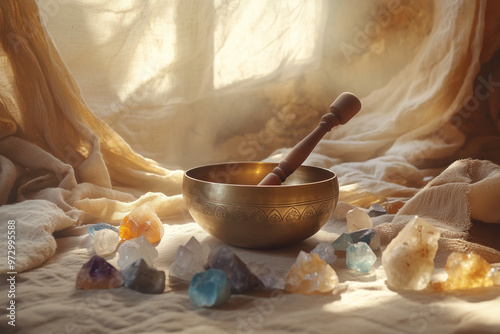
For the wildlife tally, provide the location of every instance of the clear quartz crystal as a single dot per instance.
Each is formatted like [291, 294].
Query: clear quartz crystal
[269, 277]
[408, 260]
[357, 220]
[326, 252]
[105, 241]
[495, 274]
[189, 260]
[134, 249]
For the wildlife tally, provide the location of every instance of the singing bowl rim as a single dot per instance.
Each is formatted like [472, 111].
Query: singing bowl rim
[323, 189]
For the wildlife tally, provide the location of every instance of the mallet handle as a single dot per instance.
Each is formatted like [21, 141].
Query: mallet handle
[341, 111]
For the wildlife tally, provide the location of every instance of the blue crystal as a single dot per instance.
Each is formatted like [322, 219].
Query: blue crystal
[210, 288]
[342, 242]
[101, 226]
[360, 257]
[368, 235]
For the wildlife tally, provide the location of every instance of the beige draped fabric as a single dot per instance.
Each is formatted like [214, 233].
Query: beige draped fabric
[93, 88]
[104, 104]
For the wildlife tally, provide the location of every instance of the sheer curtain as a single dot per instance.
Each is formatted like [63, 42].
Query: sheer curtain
[104, 103]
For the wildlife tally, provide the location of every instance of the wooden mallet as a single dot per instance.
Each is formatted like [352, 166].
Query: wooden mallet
[341, 111]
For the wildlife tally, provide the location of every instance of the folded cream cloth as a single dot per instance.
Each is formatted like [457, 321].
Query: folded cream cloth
[466, 194]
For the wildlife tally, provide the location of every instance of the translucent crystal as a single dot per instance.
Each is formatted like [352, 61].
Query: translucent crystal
[465, 271]
[311, 275]
[326, 252]
[98, 274]
[237, 272]
[189, 260]
[495, 274]
[134, 249]
[357, 220]
[142, 221]
[105, 241]
[141, 277]
[408, 260]
[368, 235]
[100, 226]
[342, 242]
[376, 210]
[341, 210]
[360, 257]
[269, 277]
[210, 288]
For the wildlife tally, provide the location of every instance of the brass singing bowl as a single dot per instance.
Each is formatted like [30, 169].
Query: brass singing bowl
[225, 201]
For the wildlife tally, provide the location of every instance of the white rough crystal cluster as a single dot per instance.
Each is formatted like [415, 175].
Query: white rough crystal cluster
[408, 260]
[134, 249]
[105, 241]
[357, 220]
[189, 260]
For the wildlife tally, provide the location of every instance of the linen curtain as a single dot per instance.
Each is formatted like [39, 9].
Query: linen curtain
[105, 103]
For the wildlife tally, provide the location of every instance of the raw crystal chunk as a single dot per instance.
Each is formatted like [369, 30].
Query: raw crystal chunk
[368, 235]
[376, 210]
[101, 226]
[495, 274]
[189, 260]
[237, 272]
[269, 278]
[311, 275]
[105, 241]
[141, 277]
[132, 250]
[326, 252]
[357, 220]
[98, 274]
[341, 210]
[342, 242]
[210, 288]
[142, 221]
[360, 257]
[408, 260]
[465, 271]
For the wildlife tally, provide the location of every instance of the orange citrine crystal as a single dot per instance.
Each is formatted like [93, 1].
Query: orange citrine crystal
[465, 271]
[142, 221]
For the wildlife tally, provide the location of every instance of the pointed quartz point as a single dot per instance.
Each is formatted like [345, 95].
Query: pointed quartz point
[269, 277]
[210, 288]
[134, 249]
[142, 221]
[141, 277]
[311, 275]
[465, 271]
[98, 274]
[189, 260]
[408, 260]
[357, 220]
[237, 272]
